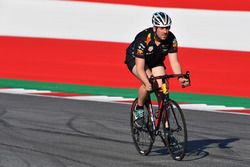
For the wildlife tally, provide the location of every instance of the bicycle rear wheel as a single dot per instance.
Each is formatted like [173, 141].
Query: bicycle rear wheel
[142, 137]
[175, 130]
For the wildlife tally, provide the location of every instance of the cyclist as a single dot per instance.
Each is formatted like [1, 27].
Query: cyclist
[146, 54]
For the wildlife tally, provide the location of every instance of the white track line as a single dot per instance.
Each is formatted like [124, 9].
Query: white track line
[121, 100]
[23, 91]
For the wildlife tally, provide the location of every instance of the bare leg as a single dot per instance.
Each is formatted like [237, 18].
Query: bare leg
[142, 92]
[157, 71]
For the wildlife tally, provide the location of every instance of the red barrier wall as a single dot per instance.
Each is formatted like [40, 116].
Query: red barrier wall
[101, 63]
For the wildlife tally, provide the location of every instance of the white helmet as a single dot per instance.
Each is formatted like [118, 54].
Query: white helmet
[161, 19]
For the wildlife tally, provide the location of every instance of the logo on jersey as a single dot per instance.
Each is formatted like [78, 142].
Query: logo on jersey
[150, 48]
[174, 43]
[139, 52]
[164, 48]
[141, 46]
[148, 39]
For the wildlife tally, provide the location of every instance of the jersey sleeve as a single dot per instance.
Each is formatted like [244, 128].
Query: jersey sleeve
[173, 46]
[140, 49]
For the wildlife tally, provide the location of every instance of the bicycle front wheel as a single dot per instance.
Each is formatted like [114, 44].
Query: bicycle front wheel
[143, 136]
[175, 130]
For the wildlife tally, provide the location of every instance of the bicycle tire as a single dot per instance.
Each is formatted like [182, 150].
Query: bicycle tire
[176, 133]
[142, 137]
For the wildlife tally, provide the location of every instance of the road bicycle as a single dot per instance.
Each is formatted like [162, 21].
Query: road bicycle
[166, 121]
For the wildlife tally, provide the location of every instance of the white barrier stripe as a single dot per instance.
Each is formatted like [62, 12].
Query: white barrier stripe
[117, 23]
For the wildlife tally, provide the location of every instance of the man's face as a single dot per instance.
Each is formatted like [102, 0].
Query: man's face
[162, 32]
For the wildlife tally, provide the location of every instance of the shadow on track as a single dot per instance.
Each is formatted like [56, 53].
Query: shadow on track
[197, 149]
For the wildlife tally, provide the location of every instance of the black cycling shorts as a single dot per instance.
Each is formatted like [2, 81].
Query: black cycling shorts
[131, 64]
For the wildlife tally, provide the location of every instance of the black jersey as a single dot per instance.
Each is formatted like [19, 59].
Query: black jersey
[144, 47]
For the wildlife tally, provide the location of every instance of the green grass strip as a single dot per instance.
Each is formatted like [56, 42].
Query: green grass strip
[124, 92]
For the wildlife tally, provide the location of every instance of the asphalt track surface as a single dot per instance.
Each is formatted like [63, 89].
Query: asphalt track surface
[52, 132]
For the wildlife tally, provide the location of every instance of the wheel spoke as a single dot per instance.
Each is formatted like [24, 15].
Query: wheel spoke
[176, 133]
[142, 137]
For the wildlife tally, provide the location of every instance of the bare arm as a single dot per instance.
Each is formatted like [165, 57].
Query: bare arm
[174, 62]
[176, 67]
